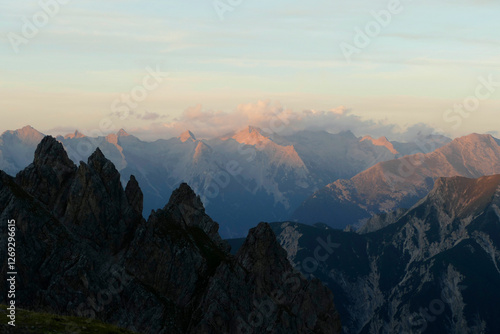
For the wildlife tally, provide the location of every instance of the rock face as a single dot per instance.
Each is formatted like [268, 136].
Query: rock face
[399, 183]
[434, 268]
[381, 220]
[88, 200]
[84, 249]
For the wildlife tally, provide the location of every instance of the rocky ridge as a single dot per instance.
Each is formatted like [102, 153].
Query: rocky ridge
[434, 268]
[84, 249]
[399, 183]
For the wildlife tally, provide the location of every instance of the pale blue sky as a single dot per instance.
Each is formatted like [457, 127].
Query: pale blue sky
[426, 60]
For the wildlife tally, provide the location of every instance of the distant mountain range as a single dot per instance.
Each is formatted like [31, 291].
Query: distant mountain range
[234, 174]
[399, 183]
[435, 269]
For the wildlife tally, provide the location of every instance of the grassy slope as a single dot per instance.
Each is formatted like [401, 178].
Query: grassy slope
[34, 322]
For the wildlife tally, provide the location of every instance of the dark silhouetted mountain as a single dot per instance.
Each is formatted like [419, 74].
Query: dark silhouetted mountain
[83, 248]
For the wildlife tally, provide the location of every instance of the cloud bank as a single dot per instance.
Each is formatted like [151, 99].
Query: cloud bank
[274, 118]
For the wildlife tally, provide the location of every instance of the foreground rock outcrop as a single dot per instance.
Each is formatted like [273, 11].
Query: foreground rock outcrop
[84, 249]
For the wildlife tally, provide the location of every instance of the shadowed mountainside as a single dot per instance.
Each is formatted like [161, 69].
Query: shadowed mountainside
[433, 269]
[84, 249]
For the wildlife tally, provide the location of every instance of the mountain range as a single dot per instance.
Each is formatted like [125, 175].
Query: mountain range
[234, 173]
[399, 183]
[434, 269]
[425, 260]
[84, 249]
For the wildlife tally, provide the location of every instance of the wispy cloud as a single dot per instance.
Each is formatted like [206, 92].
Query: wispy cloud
[149, 116]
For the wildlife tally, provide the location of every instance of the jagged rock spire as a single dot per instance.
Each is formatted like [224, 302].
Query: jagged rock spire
[134, 194]
[50, 170]
[51, 152]
[186, 207]
[185, 195]
[262, 248]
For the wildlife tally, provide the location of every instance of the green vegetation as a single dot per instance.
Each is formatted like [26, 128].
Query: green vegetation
[34, 322]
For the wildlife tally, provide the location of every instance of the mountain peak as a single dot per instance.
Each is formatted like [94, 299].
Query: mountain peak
[348, 134]
[51, 152]
[50, 169]
[122, 133]
[475, 138]
[382, 141]
[188, 210]
[187, 135]
[185, 195]
[97, 155]
[103, 166]
[251, 135]
[27, 134]
[462, 196]
[27, 129]
[76, 134]
[262, 252]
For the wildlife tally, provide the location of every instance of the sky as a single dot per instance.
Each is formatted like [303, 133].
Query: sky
[157, 68]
